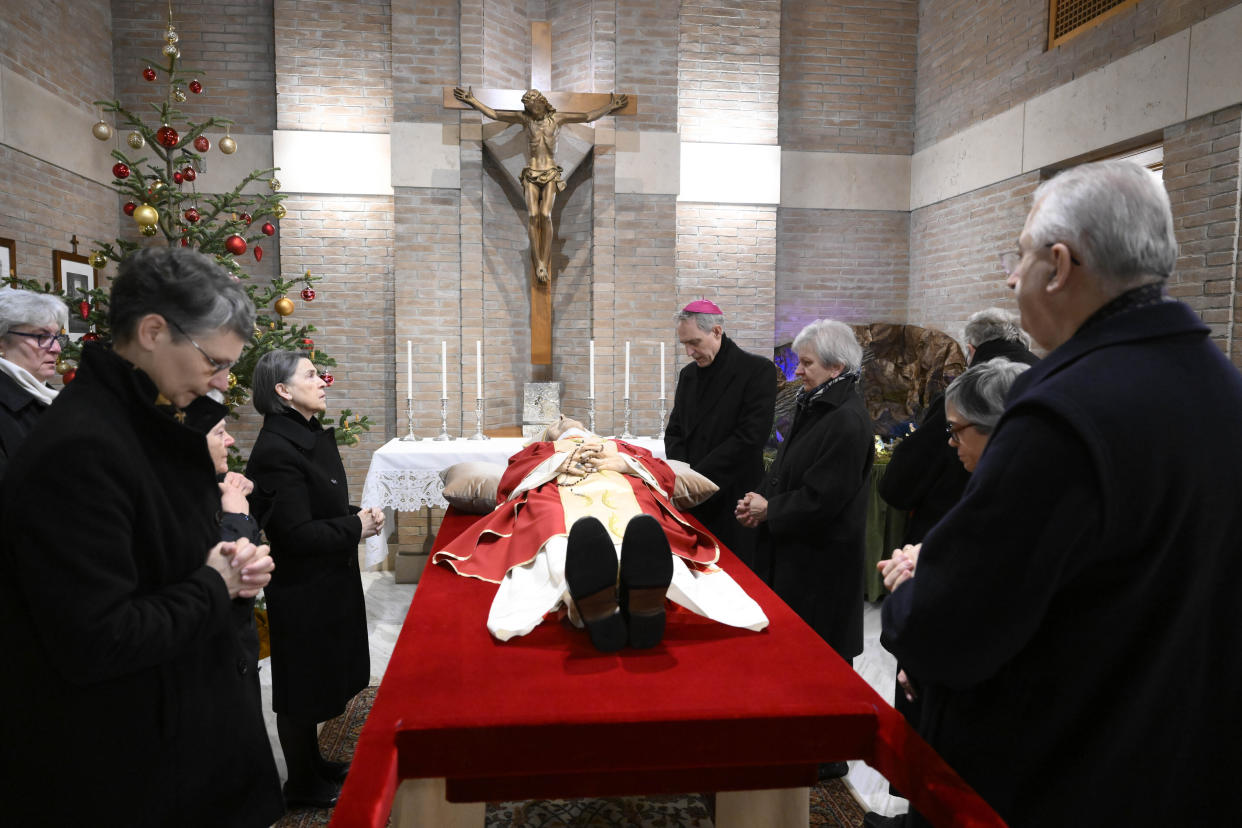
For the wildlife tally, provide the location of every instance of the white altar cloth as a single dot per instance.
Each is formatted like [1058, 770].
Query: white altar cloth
[405, 475]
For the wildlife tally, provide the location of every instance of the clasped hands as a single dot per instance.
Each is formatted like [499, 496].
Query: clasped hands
[592, 457]
[372, 521]
[245, 567]
[751, 510]
[899, 568]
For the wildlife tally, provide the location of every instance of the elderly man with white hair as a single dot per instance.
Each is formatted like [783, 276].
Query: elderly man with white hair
[1073, 618]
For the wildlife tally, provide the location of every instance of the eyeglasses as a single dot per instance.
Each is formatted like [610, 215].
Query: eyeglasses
[45, 340]
[1009, 261]
[954, 431]
[216, 365]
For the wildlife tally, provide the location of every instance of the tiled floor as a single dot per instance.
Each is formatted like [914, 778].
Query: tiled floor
[387, 602]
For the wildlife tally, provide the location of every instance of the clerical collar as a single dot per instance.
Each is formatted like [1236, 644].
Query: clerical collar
[1139, 297]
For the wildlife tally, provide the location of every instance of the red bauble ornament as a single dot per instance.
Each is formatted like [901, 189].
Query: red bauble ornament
[246, 218]
[149, 74]
[90, 336]
[167, 136]
[235, 244]
[178, 177]
[308, 342]
[129, 208]
[195, 86]
[84, 309]
[327, 379]
[258, 253]
[185, 242]
[68, 376]
[189, 174]
[202, 144]
[308, 294]
[120, 170]
[191, 215]
[268, 229]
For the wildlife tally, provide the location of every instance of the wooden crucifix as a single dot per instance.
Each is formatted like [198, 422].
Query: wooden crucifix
[540, 116]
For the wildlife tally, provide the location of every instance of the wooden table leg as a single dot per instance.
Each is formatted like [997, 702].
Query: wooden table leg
[420, 803]
[778, 808]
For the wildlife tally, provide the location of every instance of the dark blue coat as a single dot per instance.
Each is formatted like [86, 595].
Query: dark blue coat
[127, 694]
[1074, 618]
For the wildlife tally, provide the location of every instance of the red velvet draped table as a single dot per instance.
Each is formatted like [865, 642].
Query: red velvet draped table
[463, 718]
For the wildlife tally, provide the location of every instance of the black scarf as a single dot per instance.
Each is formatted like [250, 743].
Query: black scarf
[806, 398]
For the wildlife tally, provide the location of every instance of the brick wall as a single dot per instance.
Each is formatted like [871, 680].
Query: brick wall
[647, 36]
[425, 57]
[64, 48]
[728, 254]
[572, 310]
[506, 43]
[976, 60]
[954, 249]
[232, 42]
[848, 265]
[847, 75]
[1201, 175]
[728, 70]
[570, 24]
[335, 66]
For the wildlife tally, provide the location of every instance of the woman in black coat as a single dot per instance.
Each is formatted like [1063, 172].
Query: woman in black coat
[127, 694]
[30, 343]
[811, 509]
[316, 611]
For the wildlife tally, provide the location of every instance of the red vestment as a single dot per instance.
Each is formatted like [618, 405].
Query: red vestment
[513, 533]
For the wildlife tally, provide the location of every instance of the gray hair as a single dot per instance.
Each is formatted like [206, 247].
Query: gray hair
[1114, 215]
[272, 369]
[994, 323]
[183, 286]
[833, 342]
[704, 321]
[979, 394]
[26, 307]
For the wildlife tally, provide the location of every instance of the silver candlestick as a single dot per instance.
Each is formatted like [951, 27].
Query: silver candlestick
[625, 435]
[444, 435]
[591, 414]
[478, 420]
[660, 434]
[409, 419]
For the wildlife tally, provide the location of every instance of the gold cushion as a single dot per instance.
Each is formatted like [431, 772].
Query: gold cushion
[691, 488]
[471, 487]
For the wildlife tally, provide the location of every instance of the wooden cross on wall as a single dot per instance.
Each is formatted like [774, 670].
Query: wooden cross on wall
[512, 148]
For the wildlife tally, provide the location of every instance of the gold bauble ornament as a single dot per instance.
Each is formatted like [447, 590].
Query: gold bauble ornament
[284, 306]
[147, 230]
[98, 260]
[232, 380]
[273, 184]
[63, 367]
[135, 140]
[227, 145]
[156, 189]
[146, 215]
[172, 51]
[179, 96]
[279, 211]
[171, 35]
[101, 130]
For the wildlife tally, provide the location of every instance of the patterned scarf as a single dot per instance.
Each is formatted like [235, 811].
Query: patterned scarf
[805, 398]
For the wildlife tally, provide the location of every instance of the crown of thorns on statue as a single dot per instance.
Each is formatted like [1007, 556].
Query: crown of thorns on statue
[535, 95]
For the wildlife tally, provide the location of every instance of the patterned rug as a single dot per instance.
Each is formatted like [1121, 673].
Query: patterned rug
[833, 803]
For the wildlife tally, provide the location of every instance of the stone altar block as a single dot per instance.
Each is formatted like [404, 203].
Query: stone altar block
[541, 404]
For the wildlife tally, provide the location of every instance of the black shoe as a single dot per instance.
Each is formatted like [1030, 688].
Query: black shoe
[833, 770]
[316, 793]
[591, 573]
[334, 772]
[646, 570]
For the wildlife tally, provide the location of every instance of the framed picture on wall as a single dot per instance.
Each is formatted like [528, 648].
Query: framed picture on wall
[8, 261]
[74, 275]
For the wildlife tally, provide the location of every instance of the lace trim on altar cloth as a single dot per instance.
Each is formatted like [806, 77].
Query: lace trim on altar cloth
[405, 491]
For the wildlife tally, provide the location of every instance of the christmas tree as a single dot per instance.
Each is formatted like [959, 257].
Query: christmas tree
[164, 201]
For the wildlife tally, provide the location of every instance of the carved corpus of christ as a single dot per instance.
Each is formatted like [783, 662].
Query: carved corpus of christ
[541, 178]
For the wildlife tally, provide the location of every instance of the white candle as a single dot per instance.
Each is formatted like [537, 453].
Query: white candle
[478, 369]
[443, 370]
[627, 369]
[661, 370]
[409, 370]
[591, 394]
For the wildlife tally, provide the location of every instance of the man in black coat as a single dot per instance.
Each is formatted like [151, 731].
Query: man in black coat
[1074, 617]
[722, 414]
[127, 694]
[924, 476]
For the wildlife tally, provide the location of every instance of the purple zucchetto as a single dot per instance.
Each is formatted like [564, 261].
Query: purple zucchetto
[703, 306]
